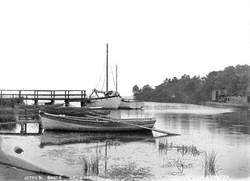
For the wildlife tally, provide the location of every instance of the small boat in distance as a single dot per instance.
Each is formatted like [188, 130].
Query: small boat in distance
[130, 104]
[94, 123]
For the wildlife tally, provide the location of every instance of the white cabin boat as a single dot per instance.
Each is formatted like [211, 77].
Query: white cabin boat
[105, 102]
[108, 99]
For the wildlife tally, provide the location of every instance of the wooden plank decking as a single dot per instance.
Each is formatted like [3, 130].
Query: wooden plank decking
[44, 95]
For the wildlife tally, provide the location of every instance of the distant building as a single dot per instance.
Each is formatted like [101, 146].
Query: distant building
[248, 93]
[221, 95]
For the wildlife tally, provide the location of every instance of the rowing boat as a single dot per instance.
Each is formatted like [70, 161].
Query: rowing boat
[94, 124]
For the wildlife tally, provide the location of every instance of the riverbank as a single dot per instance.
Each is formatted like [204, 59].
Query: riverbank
[226, 104]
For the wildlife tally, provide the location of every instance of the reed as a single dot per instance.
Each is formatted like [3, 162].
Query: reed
[164, 147]
[210, 164]
[192, 150]
[93, 166]
[129, 172]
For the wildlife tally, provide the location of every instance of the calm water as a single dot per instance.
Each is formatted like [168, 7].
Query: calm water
[146, 156]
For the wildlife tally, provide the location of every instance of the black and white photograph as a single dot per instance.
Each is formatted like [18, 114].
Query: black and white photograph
[124, 90]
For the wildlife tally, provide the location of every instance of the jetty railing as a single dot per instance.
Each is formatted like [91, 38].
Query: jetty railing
[67, 96]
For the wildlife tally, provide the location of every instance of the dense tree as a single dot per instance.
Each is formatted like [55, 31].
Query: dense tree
[197, 89]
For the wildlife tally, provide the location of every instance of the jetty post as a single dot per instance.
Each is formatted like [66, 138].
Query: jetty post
[23, 128]
[35, 97]
[66, 101]
[13, 101]
[19, 97]
[52, 97]
[83, 98]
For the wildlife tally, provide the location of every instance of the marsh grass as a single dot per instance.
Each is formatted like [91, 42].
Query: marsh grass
[192, 150]
[180, 164]
[164, 147]
[91, 167]
[210, 164]
[128, 172]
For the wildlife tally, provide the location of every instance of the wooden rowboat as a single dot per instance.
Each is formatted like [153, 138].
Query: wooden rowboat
[94, 124]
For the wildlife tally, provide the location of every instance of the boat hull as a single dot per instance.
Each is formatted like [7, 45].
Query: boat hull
[131, 105]
[105, 102]
[70, 123]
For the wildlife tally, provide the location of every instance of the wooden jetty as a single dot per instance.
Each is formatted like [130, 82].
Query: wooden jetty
[18, 96]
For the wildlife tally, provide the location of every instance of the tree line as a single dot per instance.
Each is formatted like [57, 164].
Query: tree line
[196, 89]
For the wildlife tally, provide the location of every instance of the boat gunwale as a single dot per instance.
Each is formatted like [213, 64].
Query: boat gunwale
[98, 117]
[95, 121]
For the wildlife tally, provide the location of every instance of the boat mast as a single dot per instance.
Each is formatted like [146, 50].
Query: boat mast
[116, 79]
[107, 68]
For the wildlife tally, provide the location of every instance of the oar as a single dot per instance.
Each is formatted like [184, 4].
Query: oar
[131, 124]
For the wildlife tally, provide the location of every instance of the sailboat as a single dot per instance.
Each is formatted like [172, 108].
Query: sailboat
[105, 99]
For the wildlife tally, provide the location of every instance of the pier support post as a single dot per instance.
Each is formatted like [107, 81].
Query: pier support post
[82, 103]
[66, 102]
[40, 128]
[23, 128]
[13, 101]
[19, 101]
[21, 131]
[52, 101]
[36, 102]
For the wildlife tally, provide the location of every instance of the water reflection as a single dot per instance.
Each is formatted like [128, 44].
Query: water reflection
[235, 122]
[113, 138]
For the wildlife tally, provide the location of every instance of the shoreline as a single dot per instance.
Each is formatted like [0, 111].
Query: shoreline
[14, 174]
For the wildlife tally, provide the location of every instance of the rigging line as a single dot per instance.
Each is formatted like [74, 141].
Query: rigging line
[100, 77]
[113, 77]
[103, 84]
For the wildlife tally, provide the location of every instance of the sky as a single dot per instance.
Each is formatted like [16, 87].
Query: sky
[59, 44]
